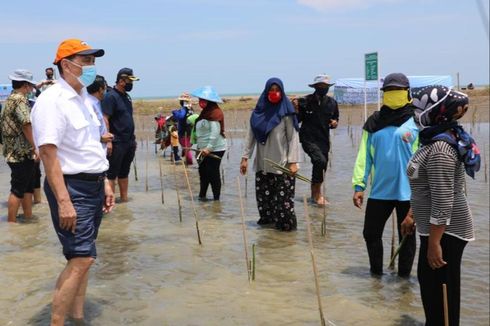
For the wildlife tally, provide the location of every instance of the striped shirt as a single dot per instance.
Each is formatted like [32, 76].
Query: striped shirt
[437, 178]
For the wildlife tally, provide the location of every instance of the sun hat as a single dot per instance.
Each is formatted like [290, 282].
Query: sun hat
[75, 46]
[321, 79]
[22, 75]
[184, 97]
[396, 79]
[207, 93]
[128, 73]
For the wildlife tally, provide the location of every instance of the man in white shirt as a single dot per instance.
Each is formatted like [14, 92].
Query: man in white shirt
[66, 131]
[96, 92]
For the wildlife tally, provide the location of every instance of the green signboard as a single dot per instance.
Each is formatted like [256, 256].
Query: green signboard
[371, 66]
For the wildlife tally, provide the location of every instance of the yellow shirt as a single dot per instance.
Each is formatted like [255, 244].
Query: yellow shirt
[174, 138]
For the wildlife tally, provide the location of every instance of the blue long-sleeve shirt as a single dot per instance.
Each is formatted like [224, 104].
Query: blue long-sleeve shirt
[384, 156]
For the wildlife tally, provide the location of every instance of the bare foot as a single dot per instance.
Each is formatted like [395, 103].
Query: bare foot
[321, 201]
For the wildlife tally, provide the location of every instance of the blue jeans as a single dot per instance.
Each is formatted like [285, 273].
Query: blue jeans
[88, 199]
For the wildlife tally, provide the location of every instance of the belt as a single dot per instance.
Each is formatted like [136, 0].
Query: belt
[86, 176]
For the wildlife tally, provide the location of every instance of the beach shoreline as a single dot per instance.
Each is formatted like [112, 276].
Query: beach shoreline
[352, 114]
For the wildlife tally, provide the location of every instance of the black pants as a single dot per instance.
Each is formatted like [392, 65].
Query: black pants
[319, 160]
[37, 175]
[209, 174]
[431, 281]
[121, 159]
[377, 213]
[175, 149]
[22, 178]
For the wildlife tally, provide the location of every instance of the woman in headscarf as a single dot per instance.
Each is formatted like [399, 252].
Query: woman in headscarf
[442, 216]
[210, 139]
[274, 128]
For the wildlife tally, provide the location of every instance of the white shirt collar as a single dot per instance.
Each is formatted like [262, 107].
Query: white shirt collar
[68, 92]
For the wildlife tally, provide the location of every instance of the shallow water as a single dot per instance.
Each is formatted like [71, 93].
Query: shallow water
[152, 271]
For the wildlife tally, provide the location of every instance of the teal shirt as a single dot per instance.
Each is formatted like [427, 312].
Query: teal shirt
[208, 136]
[383, 156]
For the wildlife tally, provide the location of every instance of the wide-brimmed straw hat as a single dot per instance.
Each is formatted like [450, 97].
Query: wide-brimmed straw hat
[184, 97]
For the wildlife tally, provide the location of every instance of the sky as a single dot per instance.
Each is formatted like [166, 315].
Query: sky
[236, 45]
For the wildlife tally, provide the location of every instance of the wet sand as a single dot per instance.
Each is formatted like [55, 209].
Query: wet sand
[152, 271]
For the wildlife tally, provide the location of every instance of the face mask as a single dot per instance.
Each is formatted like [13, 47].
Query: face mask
[396, 99]
[321, 91]
[88, 74]
[128, 87]
[203, 104]
[274, 97]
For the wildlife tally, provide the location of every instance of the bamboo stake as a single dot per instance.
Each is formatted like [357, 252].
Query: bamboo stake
[393, 224]
[444, 300]
[161, 179]
[253, 261]
[245, 244]
[313, 261]
[146, 172]
[397, 251]
[222, 175]
[192, 204]
[246, 185]
[287, 171]
[324, 220]
[198, 151]
[178, 191]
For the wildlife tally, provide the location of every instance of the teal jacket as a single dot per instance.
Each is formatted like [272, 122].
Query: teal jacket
[384, 156]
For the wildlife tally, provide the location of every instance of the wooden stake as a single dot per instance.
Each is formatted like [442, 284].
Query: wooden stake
[324, 220]
[178, 191]
[444, 300]
[253, 261]
[161, 179]
[242, 216]
[313, 261]
[246, 185]
[146, 172]
[192, 204]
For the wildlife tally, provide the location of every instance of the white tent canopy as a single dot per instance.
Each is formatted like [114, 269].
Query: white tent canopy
[351, 90]
[5, 90]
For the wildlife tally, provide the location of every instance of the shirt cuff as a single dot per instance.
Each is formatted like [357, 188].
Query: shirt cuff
[440, 221]
[358, 188]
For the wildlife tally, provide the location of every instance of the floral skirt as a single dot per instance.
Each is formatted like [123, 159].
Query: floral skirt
[275, 200]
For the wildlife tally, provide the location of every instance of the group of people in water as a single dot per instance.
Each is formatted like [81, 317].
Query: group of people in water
[412, 150]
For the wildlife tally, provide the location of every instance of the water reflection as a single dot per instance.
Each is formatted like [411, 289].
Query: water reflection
[152, 271]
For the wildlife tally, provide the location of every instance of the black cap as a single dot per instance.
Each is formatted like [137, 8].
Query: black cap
[396, 79]
[126, 73]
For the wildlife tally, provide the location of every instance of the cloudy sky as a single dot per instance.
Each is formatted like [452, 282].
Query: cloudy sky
[236, 45]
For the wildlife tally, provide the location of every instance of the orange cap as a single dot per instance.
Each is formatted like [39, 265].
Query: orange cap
[75, 46]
